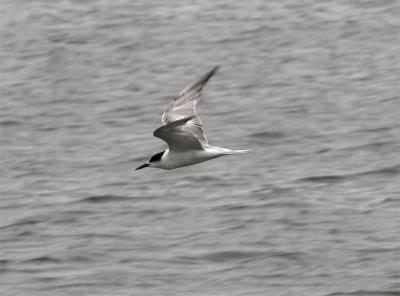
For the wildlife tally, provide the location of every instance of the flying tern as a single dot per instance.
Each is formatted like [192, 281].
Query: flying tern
[183, 131]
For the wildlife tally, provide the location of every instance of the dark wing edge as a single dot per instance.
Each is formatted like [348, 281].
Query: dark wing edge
[187, 98]
[198, 82]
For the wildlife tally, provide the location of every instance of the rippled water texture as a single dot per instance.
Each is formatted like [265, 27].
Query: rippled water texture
[311, 86]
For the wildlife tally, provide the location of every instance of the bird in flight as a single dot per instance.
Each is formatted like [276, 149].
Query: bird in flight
[183, 131]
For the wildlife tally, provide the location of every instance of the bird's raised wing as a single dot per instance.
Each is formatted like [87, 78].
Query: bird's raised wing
[184, 106]
[177, 136]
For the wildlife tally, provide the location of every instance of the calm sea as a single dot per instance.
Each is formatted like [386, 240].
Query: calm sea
[311, 86]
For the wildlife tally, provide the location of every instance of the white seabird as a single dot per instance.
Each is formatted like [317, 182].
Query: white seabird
[183, 131]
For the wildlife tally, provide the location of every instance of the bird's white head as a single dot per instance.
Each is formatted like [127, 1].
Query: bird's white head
[154, 161]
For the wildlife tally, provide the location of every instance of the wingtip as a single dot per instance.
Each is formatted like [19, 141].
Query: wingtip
[209, 74]
[198, 82]
[213, 70]
[216, 67]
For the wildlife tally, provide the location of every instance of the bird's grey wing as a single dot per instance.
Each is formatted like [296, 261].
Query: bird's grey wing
[176, 135]
[184, 105]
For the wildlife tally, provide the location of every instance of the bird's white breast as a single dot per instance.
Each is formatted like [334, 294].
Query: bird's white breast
[173, 159]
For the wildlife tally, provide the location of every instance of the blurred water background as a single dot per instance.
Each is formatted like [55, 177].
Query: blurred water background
[311, 86]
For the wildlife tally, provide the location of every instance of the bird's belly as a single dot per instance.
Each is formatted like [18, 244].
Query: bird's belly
[180, 159]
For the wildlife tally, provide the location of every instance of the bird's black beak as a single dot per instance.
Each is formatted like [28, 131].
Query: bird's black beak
[143, 166]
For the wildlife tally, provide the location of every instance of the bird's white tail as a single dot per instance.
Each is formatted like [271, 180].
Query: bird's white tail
[232, 152]
[237, 151]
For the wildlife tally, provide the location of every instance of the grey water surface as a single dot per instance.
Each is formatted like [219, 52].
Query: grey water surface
[311, 86]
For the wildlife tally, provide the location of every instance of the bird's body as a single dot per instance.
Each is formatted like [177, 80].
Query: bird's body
[183, 132]
[172, 160]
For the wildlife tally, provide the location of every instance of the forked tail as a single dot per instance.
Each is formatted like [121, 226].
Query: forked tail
[229, 152]
[225, 151]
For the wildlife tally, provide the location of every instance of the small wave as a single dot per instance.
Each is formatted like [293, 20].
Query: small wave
[295, 109]
[43, 259]
[104, 198]
[232, 207]
[126, 109]
[323, 150]
[118, 183]
[80, 285]
[370, 146]
[222, 256]
[285, 204]
[270, 190]
[4, 262]
[375, 129]
[202, 178]
[47, 128]
[390, 170]
[365, 293]
[74, 126]
[25, 233]
[324, 179]
[23, 222]
[267, 135]
[390, 199]
[379, 250]
[9, 123]
[395, 98]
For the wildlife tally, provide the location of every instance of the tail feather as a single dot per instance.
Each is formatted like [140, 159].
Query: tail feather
[233, 152]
